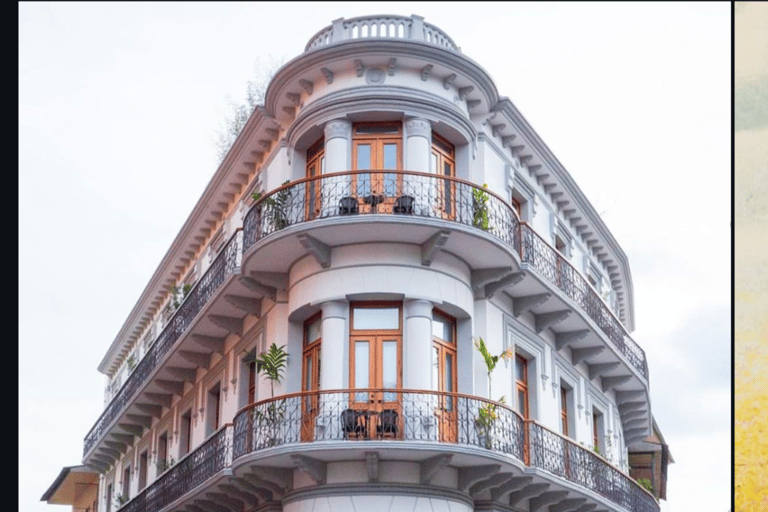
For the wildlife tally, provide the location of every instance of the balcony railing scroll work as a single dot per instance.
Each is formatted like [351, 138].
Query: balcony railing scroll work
[401, 415]
[226, 262]
[391, 415]
[214, 455]
[414, 194]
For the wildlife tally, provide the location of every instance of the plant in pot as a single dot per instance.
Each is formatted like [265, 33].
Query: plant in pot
[487, 414]
[275, 206]
[271, 364]
[480, 208]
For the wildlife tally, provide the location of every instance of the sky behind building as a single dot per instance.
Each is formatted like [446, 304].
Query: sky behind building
[119, 108]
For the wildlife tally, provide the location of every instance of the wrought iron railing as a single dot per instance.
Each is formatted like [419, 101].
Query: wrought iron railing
[561, 456]
[407, 193]
[369, 414]
[194, 469]
[362, 415]
[226, 262]
[400, 193]
[551, 265]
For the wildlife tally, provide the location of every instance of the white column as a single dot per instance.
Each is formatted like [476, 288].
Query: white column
[334, 368]
[417, 345]
[418, 143]
[418, 156]
[334, 356]
[417, 366]
[338, 134]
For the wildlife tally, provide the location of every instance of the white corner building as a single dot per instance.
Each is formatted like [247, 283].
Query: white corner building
[382, 212]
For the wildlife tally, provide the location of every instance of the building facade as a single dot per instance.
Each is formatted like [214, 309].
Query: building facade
[390, 296]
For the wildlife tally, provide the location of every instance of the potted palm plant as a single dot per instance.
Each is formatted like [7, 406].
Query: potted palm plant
[487, 413]
[272, 365]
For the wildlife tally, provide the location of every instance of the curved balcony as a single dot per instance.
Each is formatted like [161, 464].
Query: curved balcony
[430, 201]
[225, 264]
[409, 28]
[212, 476]
[375, 206]
[421, 199]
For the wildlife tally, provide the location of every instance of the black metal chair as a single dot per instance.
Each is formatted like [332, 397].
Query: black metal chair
[350, 423]
[387, 426]
[348, 206]
[403, 205]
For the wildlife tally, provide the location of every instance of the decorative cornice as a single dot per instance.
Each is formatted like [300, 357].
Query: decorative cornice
[402, 100]
[307, 64]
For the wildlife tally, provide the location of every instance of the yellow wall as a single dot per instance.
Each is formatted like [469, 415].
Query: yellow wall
[751, 257]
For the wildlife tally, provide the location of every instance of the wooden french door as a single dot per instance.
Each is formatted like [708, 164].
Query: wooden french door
[444, 375]
[444, 164]
[377, 147]
[376, 365]
[310, 377]
[315, 168]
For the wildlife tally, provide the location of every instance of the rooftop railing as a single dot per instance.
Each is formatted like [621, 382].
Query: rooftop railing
[412, 28]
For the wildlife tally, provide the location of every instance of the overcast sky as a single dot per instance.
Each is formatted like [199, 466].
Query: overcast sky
[119, 109]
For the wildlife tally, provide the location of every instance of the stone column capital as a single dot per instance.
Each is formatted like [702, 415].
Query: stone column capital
[418, 127]
[337, 128]
[335, 309]
[417, 308]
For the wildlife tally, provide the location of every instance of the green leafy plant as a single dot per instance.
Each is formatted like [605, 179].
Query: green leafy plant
[487, 414]
[272, 365]
[275, 206]
[596, 449]
[480, 208]
[178, 294]
[131, 362]
[645, 484]
[164, 465]
[490, 360]
[121, 500]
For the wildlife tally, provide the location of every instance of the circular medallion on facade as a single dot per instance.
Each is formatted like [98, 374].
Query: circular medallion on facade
[375, 76]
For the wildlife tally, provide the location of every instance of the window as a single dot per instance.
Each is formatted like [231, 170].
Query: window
[143, 462]
[521, 385]
[109, 498]
[518, 207]
[597, 430]
[315, 169]
[213, 411]
[375, 349]
[310, 380]
[162, 452]
[185, 433]
[126, 482]
[567, 420]
[444, 373]
[444, 164]
[377, 146]
[251, 368]
[564, 410]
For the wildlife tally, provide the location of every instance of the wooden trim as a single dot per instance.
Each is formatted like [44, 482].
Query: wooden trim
[522, 385]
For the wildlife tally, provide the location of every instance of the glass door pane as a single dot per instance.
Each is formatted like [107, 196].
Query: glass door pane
[390, 162]
[389, 368]
[363, 162]
[362, 368]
